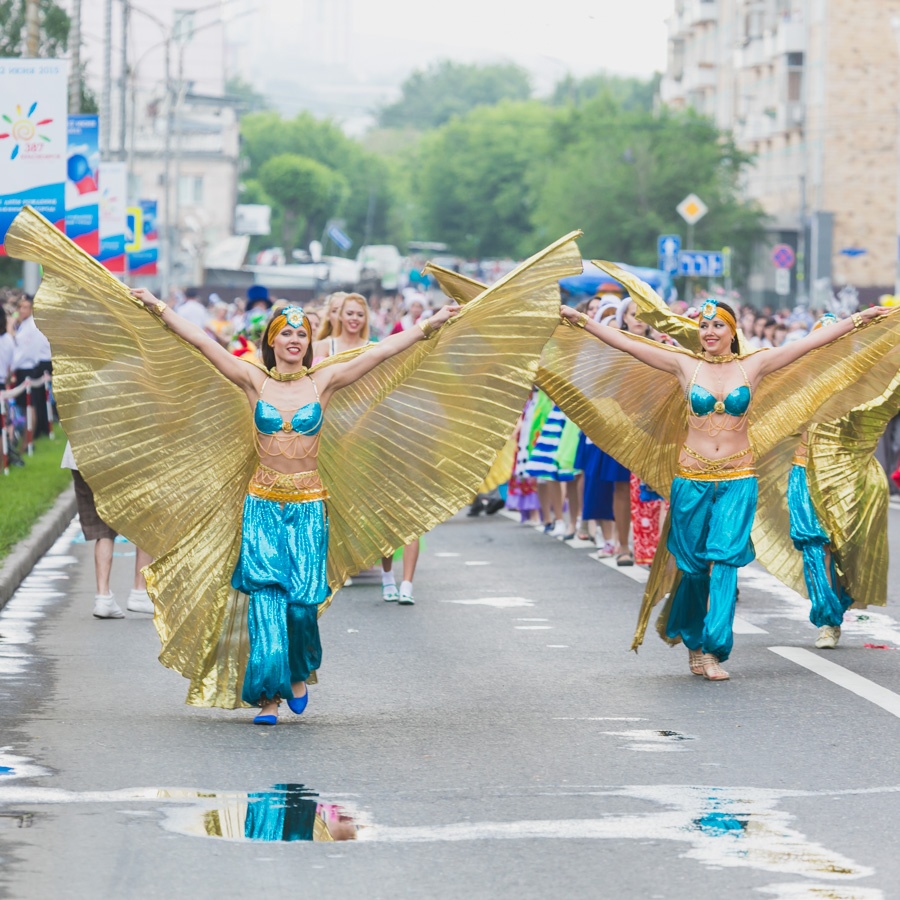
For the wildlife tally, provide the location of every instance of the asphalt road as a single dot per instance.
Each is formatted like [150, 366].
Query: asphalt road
[497, 740]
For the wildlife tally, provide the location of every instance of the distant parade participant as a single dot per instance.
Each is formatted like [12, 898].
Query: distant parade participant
[351, 329]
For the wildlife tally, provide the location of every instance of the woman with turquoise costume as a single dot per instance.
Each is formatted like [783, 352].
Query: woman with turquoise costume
[401, 434]
[714, 492]
[284, 544]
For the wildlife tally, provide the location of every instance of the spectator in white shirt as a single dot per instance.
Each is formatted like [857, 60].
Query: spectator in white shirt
[32, 360]
[193, 308]
[7, 350]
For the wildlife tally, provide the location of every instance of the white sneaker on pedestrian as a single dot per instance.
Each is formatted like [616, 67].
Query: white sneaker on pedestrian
[105, 607]
[139, 601]
[606, 550]
[559, 529]
[829, 635]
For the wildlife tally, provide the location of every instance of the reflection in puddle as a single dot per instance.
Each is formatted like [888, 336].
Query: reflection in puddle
[288, 812]
[653, 741]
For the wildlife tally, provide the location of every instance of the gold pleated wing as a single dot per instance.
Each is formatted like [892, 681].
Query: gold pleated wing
[166, 444]
[849, 491]
[409, 445]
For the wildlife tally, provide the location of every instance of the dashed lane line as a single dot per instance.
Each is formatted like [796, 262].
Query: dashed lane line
[856, 684]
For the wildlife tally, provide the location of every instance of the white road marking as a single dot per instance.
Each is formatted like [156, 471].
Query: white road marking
[578, 544]
[477, 562]
[532, 620]
[533, 627]
[862, 687]
[599, 719]
[496, 602]
[635, 573]
[558, 646]
[446, 555]
[742, 626]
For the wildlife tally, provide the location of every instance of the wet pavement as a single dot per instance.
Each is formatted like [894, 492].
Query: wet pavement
[497, 739]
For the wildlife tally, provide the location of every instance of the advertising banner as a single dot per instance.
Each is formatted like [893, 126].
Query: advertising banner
[33, 138]
[113, 211]
[82, 183]
[143, 248]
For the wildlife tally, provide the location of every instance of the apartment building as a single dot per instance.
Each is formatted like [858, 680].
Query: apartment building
[812, 89]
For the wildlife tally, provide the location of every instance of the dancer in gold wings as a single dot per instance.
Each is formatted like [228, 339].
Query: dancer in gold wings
[169, 445]
[639, 415]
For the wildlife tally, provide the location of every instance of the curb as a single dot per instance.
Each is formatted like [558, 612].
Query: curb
[28, 551]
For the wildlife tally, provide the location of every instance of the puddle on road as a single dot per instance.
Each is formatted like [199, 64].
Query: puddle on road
[717, 827]
[653, 741]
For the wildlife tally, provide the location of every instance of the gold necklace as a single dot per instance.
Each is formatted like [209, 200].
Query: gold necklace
[728, 357]
[275, 375]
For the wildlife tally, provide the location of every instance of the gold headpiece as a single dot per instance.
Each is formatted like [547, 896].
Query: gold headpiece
[712, 310]
[294, 316]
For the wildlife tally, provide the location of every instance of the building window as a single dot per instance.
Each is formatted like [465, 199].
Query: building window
[190, 190]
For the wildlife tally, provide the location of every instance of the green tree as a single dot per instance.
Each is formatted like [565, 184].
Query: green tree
[625, 92]
[307, 193]
[620, 175]
[250, 99]
[370, 205]
[474, 184]
[446, 89]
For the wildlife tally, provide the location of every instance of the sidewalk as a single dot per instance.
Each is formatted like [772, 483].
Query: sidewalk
[46, 530]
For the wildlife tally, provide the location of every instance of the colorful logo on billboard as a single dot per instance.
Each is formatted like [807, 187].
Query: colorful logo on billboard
[23, 129]
[82, 190]
[142, 238]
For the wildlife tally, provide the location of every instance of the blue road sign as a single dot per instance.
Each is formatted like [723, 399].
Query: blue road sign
[667, 249]
[339, 238]
[701, 263]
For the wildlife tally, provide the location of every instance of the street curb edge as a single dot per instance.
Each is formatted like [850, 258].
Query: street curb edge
[16, 567]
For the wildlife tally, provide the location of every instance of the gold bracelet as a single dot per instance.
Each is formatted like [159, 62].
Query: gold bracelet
[428, 329]
[159, 307]
[857, 320]
[581, 321]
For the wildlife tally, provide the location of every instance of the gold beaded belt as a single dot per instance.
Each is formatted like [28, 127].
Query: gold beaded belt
[715, 475]
[715, 469]
[298, 487]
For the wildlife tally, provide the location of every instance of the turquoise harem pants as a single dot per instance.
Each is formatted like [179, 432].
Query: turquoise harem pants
[827, 605]
[284, 548]
[709, 536]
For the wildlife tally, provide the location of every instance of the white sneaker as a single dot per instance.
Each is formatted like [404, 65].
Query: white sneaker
[606, 550]
[829, 635]
[559, 529]
[406, 597]
[105, 607]
[389, 593]
[139, 601]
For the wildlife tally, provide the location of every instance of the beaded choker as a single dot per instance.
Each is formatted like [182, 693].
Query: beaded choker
[728, 357]
[275, 375]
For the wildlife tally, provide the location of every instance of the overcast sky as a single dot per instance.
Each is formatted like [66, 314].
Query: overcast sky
[581, 36]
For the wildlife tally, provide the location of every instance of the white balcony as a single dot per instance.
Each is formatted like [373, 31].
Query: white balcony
[700, 12]
[672, 92]
[699, 78]
[790, 37]
[751, 54]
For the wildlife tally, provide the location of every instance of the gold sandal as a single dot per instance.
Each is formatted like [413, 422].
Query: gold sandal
[712, 671]
[695, 660]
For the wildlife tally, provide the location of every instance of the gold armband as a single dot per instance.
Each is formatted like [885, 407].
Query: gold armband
[428, 329]
[581, 321]
[158, 308]
[857, 320]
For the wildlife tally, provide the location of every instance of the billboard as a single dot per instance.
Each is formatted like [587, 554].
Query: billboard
[113, 210]
[143, 245]
[82, 183]
[33, 138]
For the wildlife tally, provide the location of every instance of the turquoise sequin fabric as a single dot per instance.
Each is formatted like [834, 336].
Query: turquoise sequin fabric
[827, 606]
[710, 524]
[284, 547]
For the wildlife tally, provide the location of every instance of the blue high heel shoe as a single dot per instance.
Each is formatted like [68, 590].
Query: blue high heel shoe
[265, 720]
[298, 704]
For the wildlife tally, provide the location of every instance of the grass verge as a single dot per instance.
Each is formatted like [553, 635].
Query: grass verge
[28, 492]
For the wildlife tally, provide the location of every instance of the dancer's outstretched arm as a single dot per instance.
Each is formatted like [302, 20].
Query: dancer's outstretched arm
[652, 355]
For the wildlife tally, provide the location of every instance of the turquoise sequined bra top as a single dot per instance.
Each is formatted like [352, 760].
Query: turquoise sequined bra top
[705, 403]
[307, 420]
